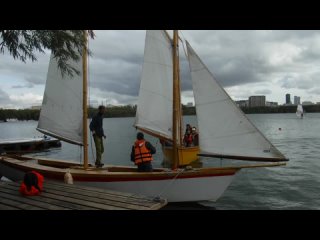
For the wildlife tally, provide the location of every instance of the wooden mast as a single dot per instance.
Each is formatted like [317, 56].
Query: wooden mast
[175, 117]
[85, 95]
[180, 139]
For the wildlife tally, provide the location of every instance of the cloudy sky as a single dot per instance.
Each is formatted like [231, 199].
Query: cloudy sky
[246, 63]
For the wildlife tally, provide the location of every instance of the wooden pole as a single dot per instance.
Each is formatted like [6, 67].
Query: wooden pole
[85, 96]
[175, 124]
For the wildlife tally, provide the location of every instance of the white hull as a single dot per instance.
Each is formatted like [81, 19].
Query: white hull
[179, 189]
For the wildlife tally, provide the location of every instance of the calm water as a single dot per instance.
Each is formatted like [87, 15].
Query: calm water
[295, 186]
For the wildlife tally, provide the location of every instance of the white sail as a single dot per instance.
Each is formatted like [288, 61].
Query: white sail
[299, 111]
[224, 130]
[61, 111]
[154, 112]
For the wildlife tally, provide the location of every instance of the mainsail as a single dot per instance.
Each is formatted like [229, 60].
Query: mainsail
[154, 112]
[299, 111]
[224, 130]
[61, 111]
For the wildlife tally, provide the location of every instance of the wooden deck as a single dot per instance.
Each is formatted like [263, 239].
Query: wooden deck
[60, 196]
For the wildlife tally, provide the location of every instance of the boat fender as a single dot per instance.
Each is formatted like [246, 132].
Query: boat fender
[68, 178]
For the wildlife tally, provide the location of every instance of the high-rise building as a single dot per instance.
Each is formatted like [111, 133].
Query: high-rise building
[288, 98]
[257, 101]
[296, 100]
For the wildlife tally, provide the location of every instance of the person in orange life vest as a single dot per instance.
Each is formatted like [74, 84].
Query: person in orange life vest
[141, 153]
[188, 139]
[32, 184]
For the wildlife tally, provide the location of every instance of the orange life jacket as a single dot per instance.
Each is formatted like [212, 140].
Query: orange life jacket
[141, 152]
[33, 190]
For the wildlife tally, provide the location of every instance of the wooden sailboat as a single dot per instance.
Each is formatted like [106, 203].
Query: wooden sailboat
[65, 103]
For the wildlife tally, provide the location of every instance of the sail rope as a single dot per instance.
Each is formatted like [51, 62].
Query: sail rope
[166, 187]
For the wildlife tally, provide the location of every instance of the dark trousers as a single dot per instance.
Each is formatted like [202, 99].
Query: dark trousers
[145, 167]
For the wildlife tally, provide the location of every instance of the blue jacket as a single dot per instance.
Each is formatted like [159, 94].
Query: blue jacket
[96, 125]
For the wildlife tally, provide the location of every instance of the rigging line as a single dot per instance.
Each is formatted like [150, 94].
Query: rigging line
[182, 42]
[157, 198]
[80, 155]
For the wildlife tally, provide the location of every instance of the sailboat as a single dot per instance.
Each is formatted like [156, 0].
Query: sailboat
[64, 116]
[299, 111]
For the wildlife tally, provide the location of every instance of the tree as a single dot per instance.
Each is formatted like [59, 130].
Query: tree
[64, 44]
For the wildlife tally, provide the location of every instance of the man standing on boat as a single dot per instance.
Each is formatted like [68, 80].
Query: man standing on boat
[96, 127]
[141, 153]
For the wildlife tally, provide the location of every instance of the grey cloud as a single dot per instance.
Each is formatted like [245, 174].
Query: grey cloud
[234, 57]
[297, 82]
[28, 85]
[4, 99]
[263, 91]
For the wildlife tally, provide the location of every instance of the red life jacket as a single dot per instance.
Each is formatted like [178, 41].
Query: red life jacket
[141, 152]
[33, 190]
[188, 139]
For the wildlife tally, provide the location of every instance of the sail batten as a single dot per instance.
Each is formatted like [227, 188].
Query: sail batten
[246, 158]
[154, 111]
[61, 112]
[224, 130]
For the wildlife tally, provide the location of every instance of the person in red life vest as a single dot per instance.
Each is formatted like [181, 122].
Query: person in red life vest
[32, 184]
[188, 139]
[141, 153]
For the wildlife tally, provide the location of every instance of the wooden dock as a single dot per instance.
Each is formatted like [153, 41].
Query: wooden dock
[61, 196]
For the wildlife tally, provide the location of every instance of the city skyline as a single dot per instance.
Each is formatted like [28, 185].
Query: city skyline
[245, 63]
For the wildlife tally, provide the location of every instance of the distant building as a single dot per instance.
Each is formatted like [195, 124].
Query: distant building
[257, 101]
[242, 103]
[307, 103]
[190, 104]
[271, 104]
[35, 107]
[288, 98]
[296, 100]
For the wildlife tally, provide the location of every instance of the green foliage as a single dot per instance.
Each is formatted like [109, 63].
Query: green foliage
[130, 111]
[64, 44]
[188, 110]
[24, 114]
[280, 109]
[116, 111]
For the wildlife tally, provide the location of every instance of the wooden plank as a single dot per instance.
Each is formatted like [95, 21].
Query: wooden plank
[57, 201]
[6, 207]
[32, 200]
[104, 199]
[100, 190]
[85, 202]
[138, 199]
[58, 194]
[106, 196]
[18, 204]
[92, 200]
[134, 198]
